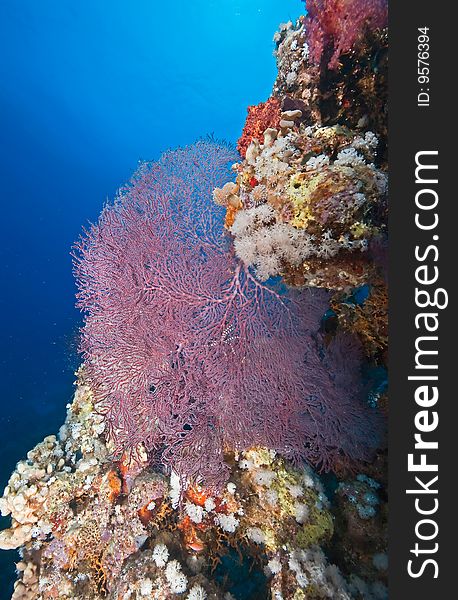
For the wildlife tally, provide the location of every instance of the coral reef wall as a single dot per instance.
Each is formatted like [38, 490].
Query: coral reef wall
[234, 349]
[310, 198]
[84, 536]
[309, 203]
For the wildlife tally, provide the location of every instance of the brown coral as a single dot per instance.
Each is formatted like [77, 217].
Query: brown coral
[369, 320]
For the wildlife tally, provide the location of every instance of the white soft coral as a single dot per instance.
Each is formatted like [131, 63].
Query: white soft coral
[175, 577]
[160, 555]
[197, 592]
[263, 243]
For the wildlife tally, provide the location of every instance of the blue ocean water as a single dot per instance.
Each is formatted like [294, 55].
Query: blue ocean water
[87, 89]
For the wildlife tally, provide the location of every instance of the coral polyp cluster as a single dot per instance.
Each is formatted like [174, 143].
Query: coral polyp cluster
[310, 201]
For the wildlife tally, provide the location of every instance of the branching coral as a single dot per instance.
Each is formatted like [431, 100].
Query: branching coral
[187, 353]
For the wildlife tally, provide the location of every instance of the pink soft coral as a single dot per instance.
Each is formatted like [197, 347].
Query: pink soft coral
[333, 26]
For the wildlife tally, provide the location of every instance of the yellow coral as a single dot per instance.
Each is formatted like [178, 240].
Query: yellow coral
[333, 135]
[360, 230]
[319, 528]
[260, 456]
[301, 190]
[305, 190]
[279, 522]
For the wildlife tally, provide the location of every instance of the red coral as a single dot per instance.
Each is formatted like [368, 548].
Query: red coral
[191, 537]
[333, 26]
[260, 117]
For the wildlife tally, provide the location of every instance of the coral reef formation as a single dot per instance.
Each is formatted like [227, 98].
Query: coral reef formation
[84, 534]
[310, 198]
[367, 318]
[234, 349]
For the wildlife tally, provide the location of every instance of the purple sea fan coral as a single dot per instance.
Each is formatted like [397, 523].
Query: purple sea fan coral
[333, 26]
[186, 352]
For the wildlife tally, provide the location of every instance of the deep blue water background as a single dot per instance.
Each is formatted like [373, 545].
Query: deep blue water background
[87, 88]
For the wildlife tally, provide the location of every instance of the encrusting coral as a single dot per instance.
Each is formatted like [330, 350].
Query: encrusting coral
[260, 118]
